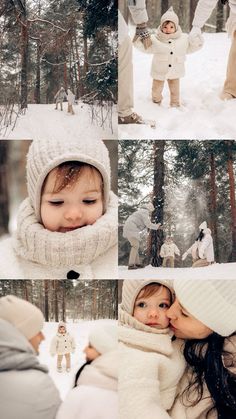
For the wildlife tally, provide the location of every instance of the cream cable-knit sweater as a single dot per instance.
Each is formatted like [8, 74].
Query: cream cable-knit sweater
[37, 253]
[150, 367]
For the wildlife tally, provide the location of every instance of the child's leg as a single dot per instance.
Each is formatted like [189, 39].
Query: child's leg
[56, 104]
[164, 262]
[59, 360]
[72, 110]
[157, 88]
[172, 262]
[68, 108]
[134, 256]
[229, 90]
[61, 105]
[67, 356]
[174, 92]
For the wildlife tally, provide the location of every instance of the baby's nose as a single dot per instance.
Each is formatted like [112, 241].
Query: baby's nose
[73, 213]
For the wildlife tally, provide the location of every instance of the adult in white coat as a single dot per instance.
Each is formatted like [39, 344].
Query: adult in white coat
[26, 390]
[71, 101]
[133, 226]
[202, 249]
[95, 393]
[202, 13]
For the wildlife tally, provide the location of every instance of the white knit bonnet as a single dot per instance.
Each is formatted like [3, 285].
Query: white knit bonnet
[132, 287]
[61, 324]
[45, 155]
[104, 337]
[212, 302]
[27, 318]
[171, 16]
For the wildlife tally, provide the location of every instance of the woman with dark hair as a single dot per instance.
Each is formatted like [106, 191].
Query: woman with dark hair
[204, 313]
[202, 250]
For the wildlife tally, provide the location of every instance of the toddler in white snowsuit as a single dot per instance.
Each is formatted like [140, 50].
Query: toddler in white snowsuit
[59, 97]
[151, 365]
[168, 252]
[67, 227]
[169, 48]
[63, 344]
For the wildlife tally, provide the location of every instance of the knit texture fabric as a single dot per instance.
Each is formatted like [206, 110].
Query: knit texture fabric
[44, 156]
[81, 246]
[131, 289]
[104, 338]
[212, 302]
[27, 318]
[171, 16]
[165, 37]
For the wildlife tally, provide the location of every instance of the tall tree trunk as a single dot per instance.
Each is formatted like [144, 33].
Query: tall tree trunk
[164, 6]
[213, 205]
[193, 4]
[46, 307]
[230, 168]
[4, 195]
[38, 74]
[158, 202]
[24, 58]
[219, 17]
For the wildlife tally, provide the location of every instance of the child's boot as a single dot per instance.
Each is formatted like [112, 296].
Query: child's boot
[59, 369]
[157, 87]
[174, 93]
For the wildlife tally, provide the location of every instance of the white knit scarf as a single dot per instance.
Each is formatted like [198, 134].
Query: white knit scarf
[165, 37]
[36, 244]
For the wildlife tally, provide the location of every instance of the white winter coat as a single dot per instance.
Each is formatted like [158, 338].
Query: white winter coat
[150, 368]
[137, 222]
[169, 54]
[60, 95]
[95, 396]
[37, 253]
[26, 390]
[62, 344]
[203, 249]
[203, 12]
[169, 249]
[70, 97]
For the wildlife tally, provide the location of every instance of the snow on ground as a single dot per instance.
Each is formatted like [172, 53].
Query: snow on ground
[202, 114]
[43, 121]
[214, 271]
[64, 381]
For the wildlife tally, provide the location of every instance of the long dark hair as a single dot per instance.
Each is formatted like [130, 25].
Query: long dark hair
[224, 1]
[79, 372]
[209, 363]
[200, 236]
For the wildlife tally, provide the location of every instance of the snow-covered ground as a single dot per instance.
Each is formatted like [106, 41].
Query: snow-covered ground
[214, 271]
[43, 121]
[64, 381]
[202, 114]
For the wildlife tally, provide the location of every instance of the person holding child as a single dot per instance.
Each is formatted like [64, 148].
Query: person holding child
[151, 364]
[169, 48]
[63, 344]
[67, 227]
[168, 252]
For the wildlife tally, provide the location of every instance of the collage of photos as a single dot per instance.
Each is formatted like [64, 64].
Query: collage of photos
[118, 209]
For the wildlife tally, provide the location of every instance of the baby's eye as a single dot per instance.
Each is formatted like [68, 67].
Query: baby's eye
[89, 201]
[164, 305]
[56, 203]
[141, 304]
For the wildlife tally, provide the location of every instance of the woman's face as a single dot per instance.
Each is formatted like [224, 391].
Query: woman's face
[184, 325]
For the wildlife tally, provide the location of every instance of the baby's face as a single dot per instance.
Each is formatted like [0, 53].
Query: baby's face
[62, 330]
[74, 206]
[168, 28]
[152, 310]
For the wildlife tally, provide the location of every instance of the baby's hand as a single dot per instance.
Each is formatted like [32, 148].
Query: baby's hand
[143, 33]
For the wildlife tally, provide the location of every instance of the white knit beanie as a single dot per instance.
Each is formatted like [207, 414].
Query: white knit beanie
[203, 225]
[104, 337]
[61, 324]
[27, 318]
[45, 155]
[212, 302]
[132, 287]
[171, 16]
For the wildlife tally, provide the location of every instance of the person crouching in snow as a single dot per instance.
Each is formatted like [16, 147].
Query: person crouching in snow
[71, 101]
[133, 226]
[63, 344]
[202, 250]
[96, 380]
[169, 48]
[67, 226]
[168, 252]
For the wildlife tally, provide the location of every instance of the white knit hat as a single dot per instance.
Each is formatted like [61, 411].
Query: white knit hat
[104, 337]
[45, 155]
[132, 287]
[212, 302]
[61, 324]
[171, 16]
[27, 318]
[203, 225]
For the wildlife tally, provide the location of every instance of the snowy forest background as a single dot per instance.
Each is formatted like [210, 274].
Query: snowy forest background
[13, 178]
[69, 43]
[188, 182]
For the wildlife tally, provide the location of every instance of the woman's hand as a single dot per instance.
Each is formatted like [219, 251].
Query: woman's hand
[143, 33]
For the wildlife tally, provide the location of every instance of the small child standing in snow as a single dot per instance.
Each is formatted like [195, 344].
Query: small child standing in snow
[169, 48]
[168, 252]
[151, 365]
[63, 344]
[67, 226]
